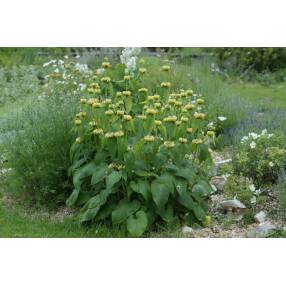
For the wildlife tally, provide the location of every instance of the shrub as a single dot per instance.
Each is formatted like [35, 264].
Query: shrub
[38, 139]
[140, 158]
[241, 188]
[18, 83]
[39, 152]
[280, 191]
[257, 59]
[260, 157]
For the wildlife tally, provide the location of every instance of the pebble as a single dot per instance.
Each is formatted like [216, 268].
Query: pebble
[186, 229]
[260, 217]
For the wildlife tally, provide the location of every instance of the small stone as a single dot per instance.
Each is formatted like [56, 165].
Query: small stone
[186, 229]
[233, 205]
[218, 182]
[260, 217]
[264, 228]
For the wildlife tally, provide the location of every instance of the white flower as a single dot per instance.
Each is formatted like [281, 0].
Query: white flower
[257, 192]
[253, 135]
[82, 68]
[244, 138]
[271, 164]
[252, 188]
[270, 135]
[264, 131]
[222, 118]
[48, 63]
[128, 57]
[252, 145]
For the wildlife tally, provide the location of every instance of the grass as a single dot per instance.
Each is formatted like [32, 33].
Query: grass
[266, 97]
[235, 100]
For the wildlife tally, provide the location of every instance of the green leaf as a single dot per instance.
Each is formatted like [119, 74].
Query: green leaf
[203, 188]
[161, 190]
[185, 199]
[137, 224]
[142, 187]
[82, 173]
[199, 212]
[203, 152]
[128, 103]
[123, 210]
[180, 184]
[186, 173]
[167, 213]
[99, 174]
[72, 198]
[112, 179]
[142, 173]
[93, 206]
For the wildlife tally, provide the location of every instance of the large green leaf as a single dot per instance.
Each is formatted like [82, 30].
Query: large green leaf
[137, 224]
[142, 187]
[161, 189]
[112, 179]
[203, 152]
[72, 198]
[199, 212]
[93, 206]
[185, 199]
[186, 173]
[99, 174]
[123, 210]
[82, 173]
[203, 188]
[167, 213]
[142, 173]
[128, 103]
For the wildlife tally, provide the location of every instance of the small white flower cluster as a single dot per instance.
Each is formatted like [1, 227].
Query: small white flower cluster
[82, 68]
[253, 136]
[255, 193]
[54, 63]
[221, 118]
[128, 57]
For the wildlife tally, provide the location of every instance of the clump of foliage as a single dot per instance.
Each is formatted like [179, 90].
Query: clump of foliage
[37, 141]
[260, 157]
[280, 191]
[38, 153]
[241, 188]
[140, 158]
[257, 59]
[19, 82]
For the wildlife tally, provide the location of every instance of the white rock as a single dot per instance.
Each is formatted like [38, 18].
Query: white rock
[264, 228]
[186, 229]
[232, 205]
[260, 217]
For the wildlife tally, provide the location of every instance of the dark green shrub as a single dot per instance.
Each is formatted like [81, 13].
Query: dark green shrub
[257, 59]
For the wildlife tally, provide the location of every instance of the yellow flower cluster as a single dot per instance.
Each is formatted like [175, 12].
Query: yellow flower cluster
[106, 65]
[166, 84]
[172, 119]
[105, 79]
[149, 138]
